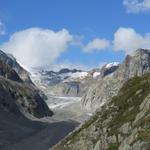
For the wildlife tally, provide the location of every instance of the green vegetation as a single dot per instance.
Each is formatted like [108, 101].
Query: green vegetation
[128, 101]
[144, 135]
[113, 146]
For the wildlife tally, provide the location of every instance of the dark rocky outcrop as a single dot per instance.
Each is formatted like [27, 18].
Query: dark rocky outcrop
[107, 71]
[66, 70]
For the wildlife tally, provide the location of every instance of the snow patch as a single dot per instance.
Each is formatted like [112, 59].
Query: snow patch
[112, 64]
[95, 74]
[80, 75]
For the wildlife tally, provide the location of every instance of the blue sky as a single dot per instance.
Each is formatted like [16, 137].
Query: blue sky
[85, 21]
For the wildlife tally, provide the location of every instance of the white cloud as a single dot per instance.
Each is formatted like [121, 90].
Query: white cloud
[128, 40]
[35, 47]
[2, 28]
[77, 41]
[96, 45]
[136, 6]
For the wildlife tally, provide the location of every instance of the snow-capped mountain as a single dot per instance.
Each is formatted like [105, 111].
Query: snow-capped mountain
[52, 78]
[109, 65]
[70, 82]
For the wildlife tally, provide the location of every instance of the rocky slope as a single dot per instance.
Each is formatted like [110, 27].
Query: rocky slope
[73, 83]
[134, 65]
[24, 95]
[123, 123]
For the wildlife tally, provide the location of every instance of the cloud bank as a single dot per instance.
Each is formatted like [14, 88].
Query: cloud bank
[125, 39]
[137, 6]
[35, 47]
[96, 45]
[128, 40]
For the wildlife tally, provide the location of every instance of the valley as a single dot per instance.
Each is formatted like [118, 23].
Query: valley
[39, 116]
[74, 75]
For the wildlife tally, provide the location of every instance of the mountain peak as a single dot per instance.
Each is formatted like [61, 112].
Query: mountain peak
[66, 70]
[140, 51]
[109, 65]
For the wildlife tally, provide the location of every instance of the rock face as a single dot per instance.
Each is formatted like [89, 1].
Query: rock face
[108, 69]
[11, 61]
[73, 83]
[121, 124]
[136, 64]
[25, 96]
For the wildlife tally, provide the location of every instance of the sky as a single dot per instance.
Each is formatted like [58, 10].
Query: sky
[73, 33]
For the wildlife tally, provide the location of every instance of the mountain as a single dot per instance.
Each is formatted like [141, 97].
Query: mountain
[21, 93]
[11, 61]
[67, 82]
[121, 124]
[19, 101]
[100, 93]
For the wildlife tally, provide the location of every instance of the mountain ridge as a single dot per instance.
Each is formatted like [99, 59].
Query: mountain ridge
[71, 82]
[134, 65]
